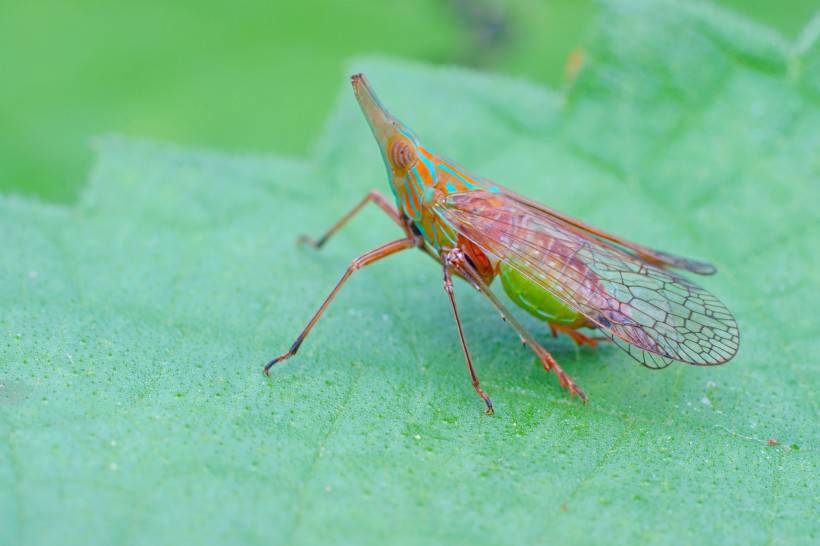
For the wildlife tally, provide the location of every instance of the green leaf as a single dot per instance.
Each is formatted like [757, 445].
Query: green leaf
[134, 324]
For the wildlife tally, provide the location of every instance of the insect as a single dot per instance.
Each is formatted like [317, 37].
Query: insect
[562, 271]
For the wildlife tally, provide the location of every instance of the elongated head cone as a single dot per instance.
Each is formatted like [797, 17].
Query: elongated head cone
[396, 141]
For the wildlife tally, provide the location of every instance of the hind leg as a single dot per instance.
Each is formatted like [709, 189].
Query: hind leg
[576, 336]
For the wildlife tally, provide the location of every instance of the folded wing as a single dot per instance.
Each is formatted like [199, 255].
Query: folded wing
[656, 257]
[653, 314]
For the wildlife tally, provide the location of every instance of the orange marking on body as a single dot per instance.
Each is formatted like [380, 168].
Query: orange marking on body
[447, 181]
[412, 190]
[426, 153]
[424, 173]
[480, 261]
[413, 201]
[461, 172]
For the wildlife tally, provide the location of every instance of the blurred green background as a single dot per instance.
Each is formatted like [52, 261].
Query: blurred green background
[250, 76]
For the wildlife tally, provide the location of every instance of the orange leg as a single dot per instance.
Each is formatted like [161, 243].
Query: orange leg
[448, 287]
[365, 259]
[576, 336]
[547, 361]
[373, 195]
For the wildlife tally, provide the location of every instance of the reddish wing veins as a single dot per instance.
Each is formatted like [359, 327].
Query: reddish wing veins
[653, 314]
[656, 257]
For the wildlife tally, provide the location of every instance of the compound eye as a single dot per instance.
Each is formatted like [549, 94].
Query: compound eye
[402, 153]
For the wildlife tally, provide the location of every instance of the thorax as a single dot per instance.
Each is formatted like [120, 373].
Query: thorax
[424, 186]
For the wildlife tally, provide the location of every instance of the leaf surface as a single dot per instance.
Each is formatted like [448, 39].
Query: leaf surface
[134, 325]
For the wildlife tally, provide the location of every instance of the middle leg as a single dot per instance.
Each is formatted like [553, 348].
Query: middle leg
[547, 361]
[448, 287]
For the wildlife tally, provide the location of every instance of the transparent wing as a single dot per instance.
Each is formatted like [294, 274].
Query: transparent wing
[653, 314]
[656, 257]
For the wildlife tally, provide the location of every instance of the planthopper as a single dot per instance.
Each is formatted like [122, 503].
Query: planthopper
[564, 272]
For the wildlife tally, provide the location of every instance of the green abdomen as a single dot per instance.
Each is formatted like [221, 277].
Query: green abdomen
[537, 301]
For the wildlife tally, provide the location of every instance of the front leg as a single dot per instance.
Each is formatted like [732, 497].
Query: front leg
[374, 196]
[365, 259]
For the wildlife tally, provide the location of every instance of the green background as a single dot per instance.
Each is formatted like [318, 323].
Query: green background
[135, 320]
[246, 75]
